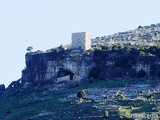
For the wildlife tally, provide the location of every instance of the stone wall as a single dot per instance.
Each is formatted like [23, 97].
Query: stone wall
[65, 78]
[81, 41]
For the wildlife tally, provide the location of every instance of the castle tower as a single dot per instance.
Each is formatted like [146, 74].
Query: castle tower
[81, 40]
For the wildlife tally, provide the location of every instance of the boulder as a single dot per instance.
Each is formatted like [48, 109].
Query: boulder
[2, 87]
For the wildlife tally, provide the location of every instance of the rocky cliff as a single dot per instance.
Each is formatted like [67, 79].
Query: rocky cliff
[65, 64]
[57, 65]
[75, 65]
[124, 63]
[35, 97]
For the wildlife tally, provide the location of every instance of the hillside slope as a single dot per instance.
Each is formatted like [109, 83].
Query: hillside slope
[146, 34]
[121, 81]
[58, 102]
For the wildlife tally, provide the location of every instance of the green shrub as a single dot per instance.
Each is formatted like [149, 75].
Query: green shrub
[150, 96]
[105, 114]
[81, 94]
[121, 97]
[125, 112]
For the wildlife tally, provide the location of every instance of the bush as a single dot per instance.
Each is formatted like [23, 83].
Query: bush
[121, 97]
[115, 47]
[105, 114]
[124, 112]
[150, 96]
[81, 94]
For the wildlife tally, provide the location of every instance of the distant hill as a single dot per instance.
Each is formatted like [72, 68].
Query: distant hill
[117, 82]
[142, 35]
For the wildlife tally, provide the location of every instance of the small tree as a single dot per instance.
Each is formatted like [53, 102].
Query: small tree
[114, 47]
[29, 49]
[81, 94]
[139, 27]
[150, 96]
[121, 96]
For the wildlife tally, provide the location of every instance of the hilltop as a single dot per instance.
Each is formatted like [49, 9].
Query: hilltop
[120, 80]
[149, 35]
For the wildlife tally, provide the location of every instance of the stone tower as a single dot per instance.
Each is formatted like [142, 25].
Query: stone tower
[81, 40]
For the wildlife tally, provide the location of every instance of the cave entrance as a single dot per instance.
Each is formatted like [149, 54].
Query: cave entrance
[141, 74]
[65, 74]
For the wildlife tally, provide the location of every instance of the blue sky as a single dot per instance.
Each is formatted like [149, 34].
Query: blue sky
[45, 24]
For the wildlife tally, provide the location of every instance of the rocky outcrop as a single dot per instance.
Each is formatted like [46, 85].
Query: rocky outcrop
[75, 65]
[121, 64]
[15, 84]
[51, 66]
[2, 87]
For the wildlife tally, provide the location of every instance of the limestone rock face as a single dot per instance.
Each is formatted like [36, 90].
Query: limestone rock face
[69, 65]
[120, 64]
[76, 65]
[143, 66]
